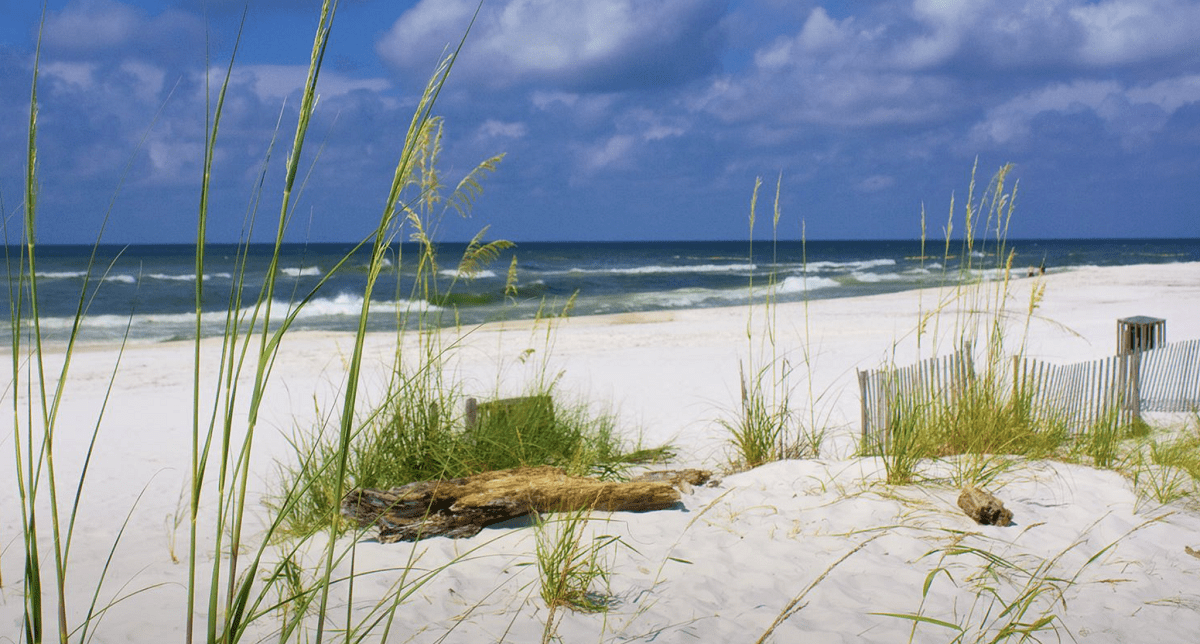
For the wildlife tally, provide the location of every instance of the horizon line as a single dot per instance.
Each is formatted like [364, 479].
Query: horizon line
[630, 241]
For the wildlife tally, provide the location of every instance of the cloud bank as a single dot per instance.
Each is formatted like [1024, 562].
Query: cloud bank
[627, 119]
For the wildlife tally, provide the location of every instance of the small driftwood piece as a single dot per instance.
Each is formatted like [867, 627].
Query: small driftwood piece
[983, 507]
[1192, 551]
[458, 508]
[682, 480]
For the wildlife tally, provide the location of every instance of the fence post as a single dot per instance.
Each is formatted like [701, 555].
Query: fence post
[1135, 388]
[970, 357]
[472, 413]
[864, 384]
[1017, 393]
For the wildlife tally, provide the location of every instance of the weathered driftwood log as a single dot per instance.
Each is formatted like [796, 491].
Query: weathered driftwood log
[459, 508]
[983, 507]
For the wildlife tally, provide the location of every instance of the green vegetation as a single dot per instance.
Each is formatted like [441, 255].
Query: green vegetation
[980, 420]
[977, 415]
[767, 427]
[1012, 600]
[1182, 452]
[570, 565]
[1164, 466]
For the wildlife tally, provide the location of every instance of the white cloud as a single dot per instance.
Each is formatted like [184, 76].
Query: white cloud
[1000, 34]
[946, 25]
[578, 42]
[492, 128]
[1010, 121]
[830, 95]
[613, 151]
[148, 78]
[91, 24]
[273, 83]
[544, 100]
[651, 124]
[821, 33]
[1129, 112]
[109, 30]
[1169, 94]
[658, 132]
[776, 56]
[1127, 31]
[928, 61]
[79, 75]
[583, 109]
[174, 161]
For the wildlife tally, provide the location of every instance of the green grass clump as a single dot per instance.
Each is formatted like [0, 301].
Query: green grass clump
[570, 565]
[904, 445]
[760, 434]
[1183, 452]
[767, 427]
[1012, 601]
[985, 419]
[978, 420]
[981, 413]
[536, 431]
[1166, 470]
[1021, 598]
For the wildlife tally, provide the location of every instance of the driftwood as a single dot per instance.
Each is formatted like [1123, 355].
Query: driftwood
[682, 480]
[462, 507]
[983, 507]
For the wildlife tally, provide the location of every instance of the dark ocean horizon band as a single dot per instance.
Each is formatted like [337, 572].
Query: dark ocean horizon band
[155, 284]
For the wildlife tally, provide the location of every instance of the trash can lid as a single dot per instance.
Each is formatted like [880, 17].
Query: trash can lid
[1141, 319]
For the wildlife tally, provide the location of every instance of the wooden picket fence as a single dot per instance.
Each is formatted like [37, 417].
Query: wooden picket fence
[1114, 389]
[1080, 395]
[1170, 377]
[926, 380]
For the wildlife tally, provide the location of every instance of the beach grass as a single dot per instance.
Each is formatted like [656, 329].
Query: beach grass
[34, 427]
[1016, 597]
[767, 426]
[243, 584]
[572, 566]
[1182, 451]
[977, 413]
[1164, 465]
[981, 419]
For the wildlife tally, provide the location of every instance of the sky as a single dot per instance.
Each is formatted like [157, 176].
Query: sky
[618, 119]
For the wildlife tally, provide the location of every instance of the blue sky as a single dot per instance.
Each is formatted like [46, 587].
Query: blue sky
[621, 119]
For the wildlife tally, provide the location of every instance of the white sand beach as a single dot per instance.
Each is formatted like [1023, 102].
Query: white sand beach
[1111, 565]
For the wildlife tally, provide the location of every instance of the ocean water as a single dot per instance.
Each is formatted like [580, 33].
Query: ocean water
[149, 291]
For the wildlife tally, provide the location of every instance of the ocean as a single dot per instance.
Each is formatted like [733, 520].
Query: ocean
[148, 291]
